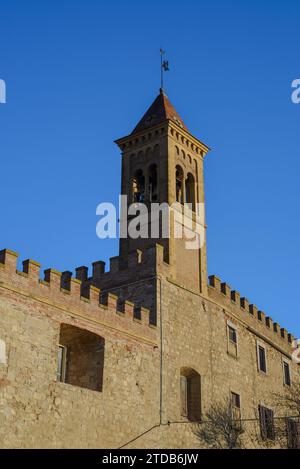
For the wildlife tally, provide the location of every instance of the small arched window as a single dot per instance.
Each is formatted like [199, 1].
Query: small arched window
[153, 192]
[190, 190]
[138, 187]
[179, 184]
[190, 394]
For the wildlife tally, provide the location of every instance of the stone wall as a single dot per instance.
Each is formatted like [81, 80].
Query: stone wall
[38, 411]
[35, 409]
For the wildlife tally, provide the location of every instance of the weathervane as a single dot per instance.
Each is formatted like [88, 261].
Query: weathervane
[164, 67]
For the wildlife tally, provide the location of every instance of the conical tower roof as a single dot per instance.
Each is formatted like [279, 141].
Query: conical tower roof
[159, 111]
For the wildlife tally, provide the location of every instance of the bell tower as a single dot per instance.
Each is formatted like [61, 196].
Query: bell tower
[163, 163]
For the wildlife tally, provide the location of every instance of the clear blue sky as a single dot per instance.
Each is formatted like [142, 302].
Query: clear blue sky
[80, 74]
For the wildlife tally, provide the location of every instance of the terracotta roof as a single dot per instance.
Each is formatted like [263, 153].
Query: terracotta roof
[159, 111]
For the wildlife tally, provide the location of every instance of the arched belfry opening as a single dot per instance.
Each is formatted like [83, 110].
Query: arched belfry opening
[190, 190]
[179, 184]
[138, 187]
[153, 187]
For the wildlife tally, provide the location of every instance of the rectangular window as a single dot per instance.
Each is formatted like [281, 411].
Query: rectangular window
[232, 334]
[262, 362]
[61, 363]
[287, 374]
[267, 427]
[232, 340]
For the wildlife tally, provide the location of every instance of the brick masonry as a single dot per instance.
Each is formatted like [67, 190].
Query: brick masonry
[38, 411]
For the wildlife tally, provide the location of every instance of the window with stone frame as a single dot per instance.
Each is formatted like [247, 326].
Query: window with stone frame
[232, 339]
[262, 358]
[286, 373]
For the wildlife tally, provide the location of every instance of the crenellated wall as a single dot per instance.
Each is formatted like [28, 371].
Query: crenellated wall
[72, 294]
[249, 313]
[37, 410]
[135, 281]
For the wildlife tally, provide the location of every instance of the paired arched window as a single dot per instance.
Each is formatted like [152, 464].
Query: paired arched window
[185, 188]
[190, 394]
[138, 187]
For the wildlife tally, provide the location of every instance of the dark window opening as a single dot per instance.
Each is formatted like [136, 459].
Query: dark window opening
[190, 190]
[138, 187]
[287, 374]
[179, 184]
[262, 359]
[80, 358]
[153, 195]
[232, 334]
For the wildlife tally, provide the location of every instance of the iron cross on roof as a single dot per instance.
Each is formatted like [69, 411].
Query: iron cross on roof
[164, 67]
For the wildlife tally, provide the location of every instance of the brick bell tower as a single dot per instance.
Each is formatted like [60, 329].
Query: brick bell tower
[162, 162]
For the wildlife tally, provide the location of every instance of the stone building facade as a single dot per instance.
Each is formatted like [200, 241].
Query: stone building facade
[134, 356]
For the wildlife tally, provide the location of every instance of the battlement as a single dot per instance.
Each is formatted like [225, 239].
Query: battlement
[132, 278]
[149, 260]
[63, 291]
[249, 312]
